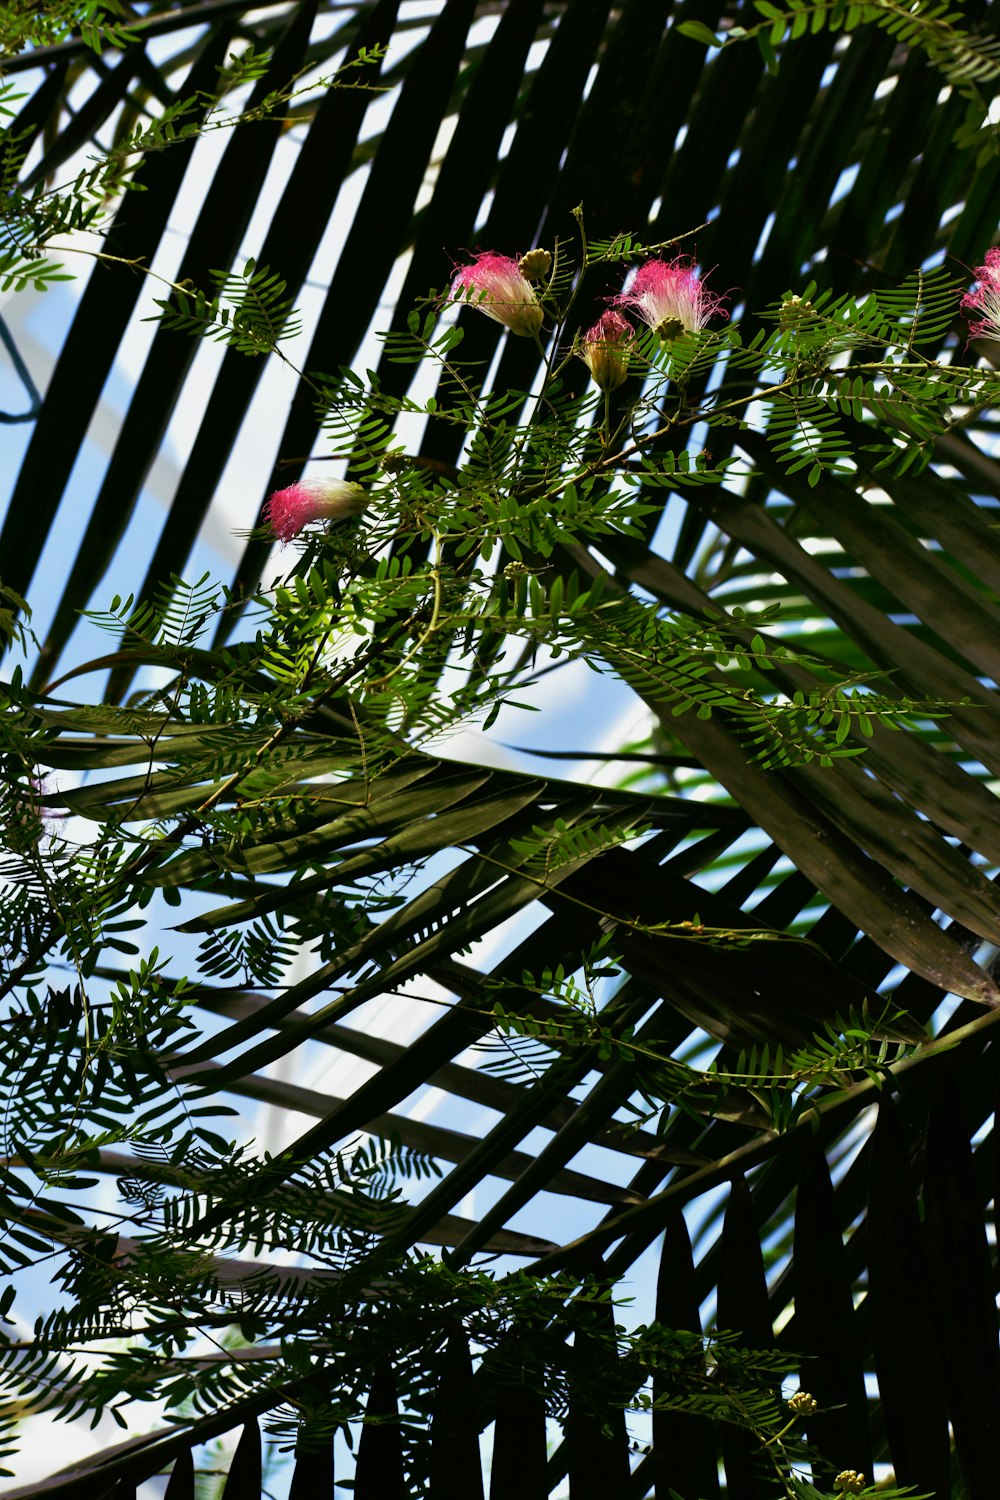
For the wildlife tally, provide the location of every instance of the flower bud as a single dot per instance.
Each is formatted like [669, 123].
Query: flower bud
[605, 350]
[535, 266]
[802, 1404]
[850, 1482]
[792, 311]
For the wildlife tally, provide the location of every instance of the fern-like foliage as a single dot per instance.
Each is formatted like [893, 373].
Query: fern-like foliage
[248, 311]
[290, 791]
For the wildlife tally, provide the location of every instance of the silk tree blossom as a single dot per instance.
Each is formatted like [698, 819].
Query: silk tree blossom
[29, 814]
[605, 349]
[289, 510]
[985, 300]
[670, 297]
[496, 286]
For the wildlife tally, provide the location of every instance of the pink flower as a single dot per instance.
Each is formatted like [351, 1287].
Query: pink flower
[495, 284]
[669, 296]
[288, 511]
[605, 349]
[986, 298]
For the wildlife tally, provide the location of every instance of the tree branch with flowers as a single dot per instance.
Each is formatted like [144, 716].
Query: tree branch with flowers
[286, 754]
[565, 477]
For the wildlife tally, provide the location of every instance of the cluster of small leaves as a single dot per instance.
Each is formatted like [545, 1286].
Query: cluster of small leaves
[177, 616]
[82, 1068]
[762, 1086]
[96, 22]
[297, 754]
[287, 103]
[686, 664]
[625, 248]
[185, 1297]
[549, 849]
[260, 954]
[249, 310]
[814, 327]
[67, 894]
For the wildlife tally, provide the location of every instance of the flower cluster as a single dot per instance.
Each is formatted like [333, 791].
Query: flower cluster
[985, 300]
[667, 295]
[289, 510]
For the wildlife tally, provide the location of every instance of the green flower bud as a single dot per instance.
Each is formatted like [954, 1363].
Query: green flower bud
[535, 265]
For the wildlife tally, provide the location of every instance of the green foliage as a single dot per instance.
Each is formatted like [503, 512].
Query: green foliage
[763, 1086]
[249, 312]
[300, 753]
[966, 60]
[96, 22]
[288, 797]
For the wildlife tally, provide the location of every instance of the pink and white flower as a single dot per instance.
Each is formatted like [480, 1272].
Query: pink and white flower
[289, 510]
[669, 296]
[495, 285]
[985, 300]
[605, 349]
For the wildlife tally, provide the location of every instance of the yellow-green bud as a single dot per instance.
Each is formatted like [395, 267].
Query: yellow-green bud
[850, 1482]
[669, 328]
[802, 1404]
[605, 349]
[793, 311]
[535, 265]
